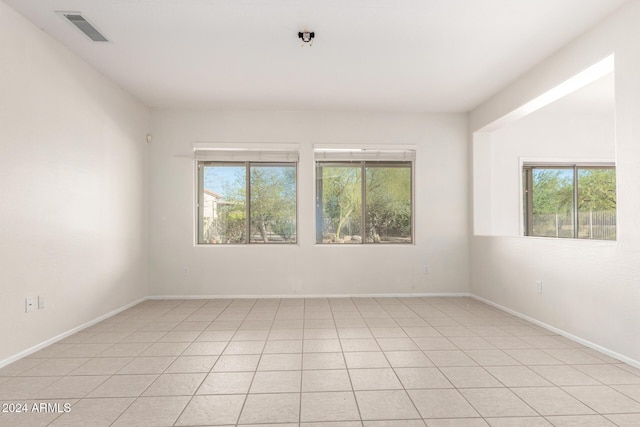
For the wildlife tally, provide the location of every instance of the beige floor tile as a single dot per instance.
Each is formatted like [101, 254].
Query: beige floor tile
[508, 343]
[226, 383]
[102, 366]
[471, 343]
[286, 334]
[397, 344]
[212, 410]
[329, 406]
[470, 377]
[24, 387]
[192, 326]
[573, 356]
[313, 361]
[147, 365]
[204, 348]
[19, 366]
[517, 376]
[189, 364]
[603, 399]
[84, 350]
[179, 336]
[564, 375]
[442, 403]
[165, 349]
[533, 357]
[551, 401]
[352, 333]
[283, 347]
[454, 331]
[457, 422]
[625, 420]
[71, 387]
[609, 374]
[321, 346]
[391, 332]
[125, 349]
[419, 378]
[434, 343]
[244, 347]
[359, 344]
[580, 421]
[374, 379]
[632, 390]
[93, 412]
[123, 386]
[175, 385]
[394, 423]
[491, 357]
[518, 422]
[325, 380]
[251, 335]
[276, 382]
[407, 359]
[320, 334]
[271, 408]
[55, 367]
[237, 363]
[421, 331]
[357, 360]
[497, 402]
[143, 337]
[155, 411]
[450, 358]
[384, 405]
[280, 362]
[219, 336]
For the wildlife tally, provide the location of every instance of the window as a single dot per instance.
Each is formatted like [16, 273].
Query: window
[246, 202]
[364, 201]
[573, 201]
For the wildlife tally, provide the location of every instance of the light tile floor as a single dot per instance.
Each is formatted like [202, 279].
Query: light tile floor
[337, 362]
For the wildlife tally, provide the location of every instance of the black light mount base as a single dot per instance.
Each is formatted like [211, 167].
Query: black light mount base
[306, 36]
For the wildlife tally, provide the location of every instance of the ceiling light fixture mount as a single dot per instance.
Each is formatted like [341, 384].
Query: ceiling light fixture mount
[306, 37]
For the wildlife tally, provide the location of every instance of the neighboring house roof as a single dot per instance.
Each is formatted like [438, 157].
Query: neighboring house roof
[212, 194]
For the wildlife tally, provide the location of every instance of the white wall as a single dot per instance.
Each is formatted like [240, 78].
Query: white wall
[73, 189]
[441, 206]
[591, 289]
[543, 135]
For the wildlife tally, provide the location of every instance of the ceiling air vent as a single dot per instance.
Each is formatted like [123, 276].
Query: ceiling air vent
[83, 25]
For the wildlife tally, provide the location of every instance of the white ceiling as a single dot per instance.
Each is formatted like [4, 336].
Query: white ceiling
[370, 55]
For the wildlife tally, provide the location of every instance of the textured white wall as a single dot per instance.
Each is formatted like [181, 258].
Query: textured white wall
[441, 197]
[591, 289]
[73, 190]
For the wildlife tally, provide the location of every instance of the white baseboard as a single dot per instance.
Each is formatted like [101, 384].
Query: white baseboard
[64, 335]
[284, 296]
[606, 351]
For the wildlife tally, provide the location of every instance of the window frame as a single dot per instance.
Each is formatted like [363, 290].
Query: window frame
[527, 195]
[199, 200]
[362, 163]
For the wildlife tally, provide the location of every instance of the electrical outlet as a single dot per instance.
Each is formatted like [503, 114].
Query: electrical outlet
[426, 269]
[185, 271]
[41, 302]
[539, 286]
[28, 304]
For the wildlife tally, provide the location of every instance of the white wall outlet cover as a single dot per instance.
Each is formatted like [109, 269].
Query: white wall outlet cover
[41, 302]
[28, 304]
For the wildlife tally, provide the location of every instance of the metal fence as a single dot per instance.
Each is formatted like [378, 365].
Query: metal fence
[597, 225]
